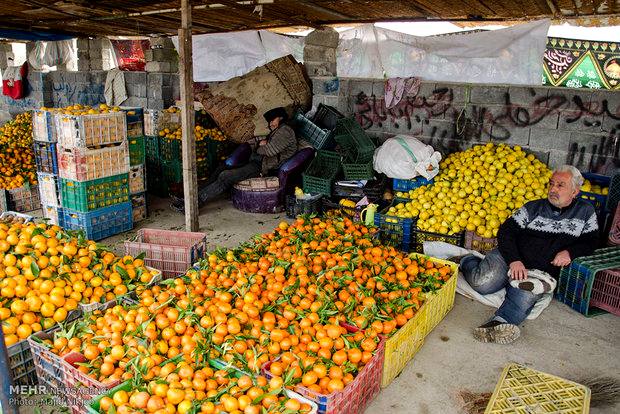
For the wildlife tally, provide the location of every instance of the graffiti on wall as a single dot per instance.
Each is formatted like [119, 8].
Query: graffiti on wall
[67, 93]
[581, 64]
[452, 126]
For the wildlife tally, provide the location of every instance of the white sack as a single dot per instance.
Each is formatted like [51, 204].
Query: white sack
[405, 157]
[511, 56]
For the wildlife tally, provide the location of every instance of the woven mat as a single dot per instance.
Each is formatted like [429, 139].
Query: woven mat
[238, 105]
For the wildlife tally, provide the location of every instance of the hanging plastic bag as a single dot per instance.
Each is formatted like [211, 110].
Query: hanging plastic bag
[58, 53]
[405, 157]
[35, 57]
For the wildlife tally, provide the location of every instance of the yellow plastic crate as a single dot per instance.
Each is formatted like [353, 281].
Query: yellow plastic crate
[405, 343]
[441, 302]
[523, 390]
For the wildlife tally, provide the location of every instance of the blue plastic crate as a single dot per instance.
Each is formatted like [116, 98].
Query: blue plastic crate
[406, 185]
[394, 225]
[401, 241]
[133, 114]
[599, 201]
[46, 157]
[101, 223]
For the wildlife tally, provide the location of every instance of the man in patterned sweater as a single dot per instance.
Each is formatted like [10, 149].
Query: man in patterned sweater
[543, 235]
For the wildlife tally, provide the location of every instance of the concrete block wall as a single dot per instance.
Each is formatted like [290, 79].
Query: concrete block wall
[156, 88]
[162, 56]
[562, 126]
[62, 88]
[320, 52]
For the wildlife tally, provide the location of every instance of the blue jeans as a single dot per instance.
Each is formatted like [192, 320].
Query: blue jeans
[490, 275]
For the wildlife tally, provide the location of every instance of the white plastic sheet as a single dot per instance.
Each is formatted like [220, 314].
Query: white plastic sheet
[222, 56]
[510, 56]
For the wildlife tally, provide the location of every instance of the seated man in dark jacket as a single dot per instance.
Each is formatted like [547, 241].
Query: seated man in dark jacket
[544, 234]
[269, 154]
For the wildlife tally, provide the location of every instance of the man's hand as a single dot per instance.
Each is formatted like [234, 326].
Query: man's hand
[518, 271]
[561, 259]
[262, 142]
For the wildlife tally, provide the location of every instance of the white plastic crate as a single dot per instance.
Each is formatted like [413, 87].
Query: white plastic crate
[137, 179]
[82, 164]
[86, 131]
[51, 213]
[43, 126]
[48, 189]
[155, 120]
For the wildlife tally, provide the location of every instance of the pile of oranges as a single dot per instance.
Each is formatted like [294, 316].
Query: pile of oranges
[252, 395]
[17, 165]
[306, 305]
[45, 273]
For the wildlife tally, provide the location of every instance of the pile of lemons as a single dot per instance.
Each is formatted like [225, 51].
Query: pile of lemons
[588, 187]
[476, 190]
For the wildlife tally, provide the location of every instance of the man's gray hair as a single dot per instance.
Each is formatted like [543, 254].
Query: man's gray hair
[575, 174]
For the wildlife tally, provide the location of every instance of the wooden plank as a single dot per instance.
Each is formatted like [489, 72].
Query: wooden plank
[190, 180]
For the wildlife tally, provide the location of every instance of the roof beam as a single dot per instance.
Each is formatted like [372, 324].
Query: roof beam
[325, 10]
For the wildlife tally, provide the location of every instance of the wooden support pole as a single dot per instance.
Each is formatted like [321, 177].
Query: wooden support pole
[190, 180]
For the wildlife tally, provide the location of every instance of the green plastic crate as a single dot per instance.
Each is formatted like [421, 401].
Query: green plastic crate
[357, 145]
[172, 171]
[170, 149]
[137, 151]
[151, 145]
[353, 171]
[93, 406]
[321, 173]
[318, 137]
[355, 151]
[85, 196]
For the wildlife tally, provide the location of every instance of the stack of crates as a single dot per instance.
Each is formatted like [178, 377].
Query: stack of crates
[156, 121]
[163, 151]
[137, 162]
[46, 157]
[358, 150]
[93, 170]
